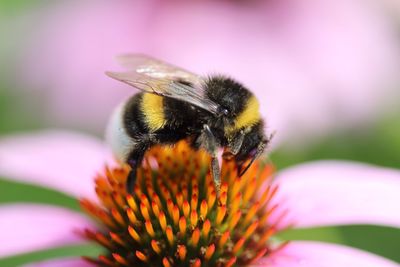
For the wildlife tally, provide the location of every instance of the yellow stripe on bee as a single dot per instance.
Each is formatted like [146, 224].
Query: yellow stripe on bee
[153, 109]
[248, 117]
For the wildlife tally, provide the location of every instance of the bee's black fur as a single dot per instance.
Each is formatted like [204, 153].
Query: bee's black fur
[228, 93]
[133, 117]
[185, 121]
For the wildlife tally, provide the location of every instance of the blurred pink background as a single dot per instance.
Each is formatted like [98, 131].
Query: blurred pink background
[326, 73]
[315, 65]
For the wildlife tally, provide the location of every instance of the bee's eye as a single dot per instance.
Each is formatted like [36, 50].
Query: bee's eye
[223, 111]
[253, 152]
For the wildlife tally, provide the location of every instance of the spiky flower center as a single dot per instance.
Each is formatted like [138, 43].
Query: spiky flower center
[175, 218]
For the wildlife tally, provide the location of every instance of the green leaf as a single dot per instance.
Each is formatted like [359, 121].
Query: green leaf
[381, 240]
[75, 251]
[20, 111]
[13, 7]
[11, 192]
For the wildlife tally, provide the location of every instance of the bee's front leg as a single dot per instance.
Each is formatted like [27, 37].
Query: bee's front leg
[237, 142]
[209, 142]
[216, 173]
[134, 160]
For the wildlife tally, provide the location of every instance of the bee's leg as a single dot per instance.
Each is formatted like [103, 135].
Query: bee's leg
[134, 161]
[216, 173]
[210, 144]
[131, 180]
[237, 143]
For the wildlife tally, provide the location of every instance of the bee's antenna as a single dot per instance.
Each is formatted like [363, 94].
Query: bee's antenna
[260, 150]
[248, 166]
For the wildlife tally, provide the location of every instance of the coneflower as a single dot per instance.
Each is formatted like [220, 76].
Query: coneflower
[175, 217]
[194, 227]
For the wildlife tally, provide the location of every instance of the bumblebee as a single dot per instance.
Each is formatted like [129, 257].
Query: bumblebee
[210, 112]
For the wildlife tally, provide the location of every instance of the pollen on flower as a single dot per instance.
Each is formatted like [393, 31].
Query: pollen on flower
[175, 217]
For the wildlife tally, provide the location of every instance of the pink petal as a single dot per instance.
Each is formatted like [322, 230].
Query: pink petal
[335, 192]
[28, 227]
[63, 160]
[314, 254]
[73, 262]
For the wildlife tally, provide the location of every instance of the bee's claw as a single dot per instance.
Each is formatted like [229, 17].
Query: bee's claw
[131, 180]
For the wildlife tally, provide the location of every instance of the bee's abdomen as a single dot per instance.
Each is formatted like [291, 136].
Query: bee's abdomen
[117, 135]
[135, 119]
[152, 108]
[156, 119]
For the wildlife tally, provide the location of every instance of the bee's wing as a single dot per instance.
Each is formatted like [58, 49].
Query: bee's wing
[157, 68]
[154, 76]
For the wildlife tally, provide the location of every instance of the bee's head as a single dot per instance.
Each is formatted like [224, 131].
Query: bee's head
[253, 145]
